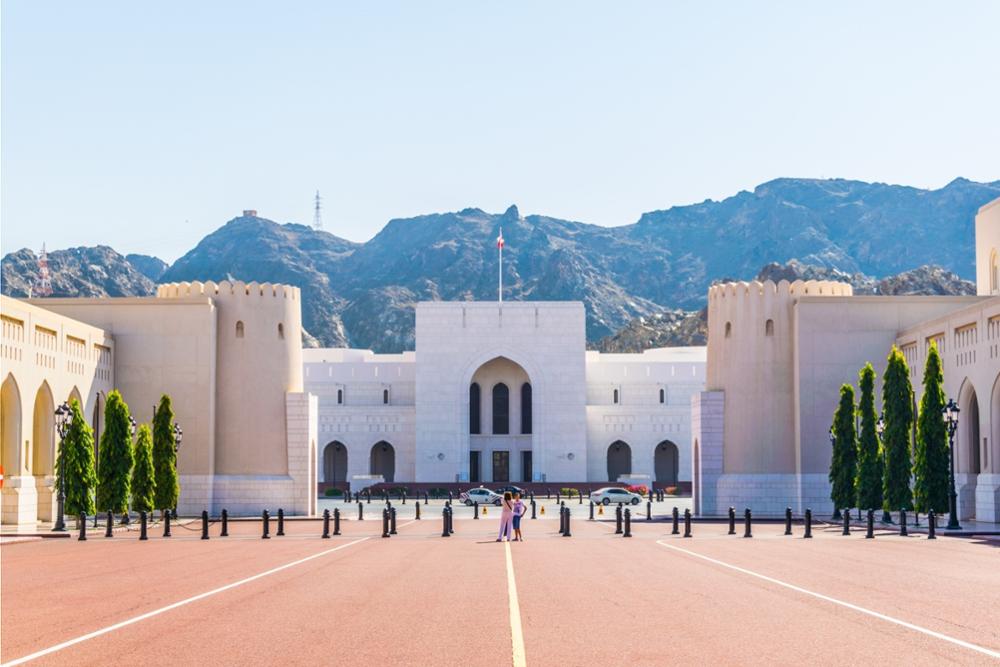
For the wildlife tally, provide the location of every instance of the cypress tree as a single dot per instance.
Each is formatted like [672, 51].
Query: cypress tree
[897, 405]
[77, 456]
[869, 484]
[142, 473]
[164, 457]
[843, 463]
[114, 470]
[930, 488]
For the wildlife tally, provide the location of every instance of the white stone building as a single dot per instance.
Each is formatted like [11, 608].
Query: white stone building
[504, 393]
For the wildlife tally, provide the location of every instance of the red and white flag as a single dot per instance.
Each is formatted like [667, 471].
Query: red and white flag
[500, 239]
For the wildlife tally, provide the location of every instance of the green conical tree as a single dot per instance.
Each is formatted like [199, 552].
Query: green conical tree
[77, 456]
[897, 407]
[114, 470]
[869, 484]
[843, 462]
[930, 487]
[164, 457]
[143, 483]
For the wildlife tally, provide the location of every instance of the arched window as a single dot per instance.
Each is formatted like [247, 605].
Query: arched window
[994, 274]
[340, 397]
[526, 408]
[614, 397]
[769, 328]
[474, 406]
[239, 328]
[663, 395]
[281, 331]
[501, 409]
[729, 329]
[385, 397]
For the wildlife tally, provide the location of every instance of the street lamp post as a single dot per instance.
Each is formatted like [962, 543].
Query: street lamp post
[178, 435]
[833, 445]
[62, 425]
[951, 421]
[880, 428]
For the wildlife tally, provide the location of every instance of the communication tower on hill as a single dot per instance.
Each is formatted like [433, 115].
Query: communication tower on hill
[43, 286]
[318, 213]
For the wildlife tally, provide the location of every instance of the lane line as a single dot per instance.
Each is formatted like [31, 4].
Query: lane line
[889, 619]
[516, 635]
[175, 605]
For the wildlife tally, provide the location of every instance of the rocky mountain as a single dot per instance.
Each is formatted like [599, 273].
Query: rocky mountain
[147, 265]
[96, 271]
[631, 276]
[671, 328]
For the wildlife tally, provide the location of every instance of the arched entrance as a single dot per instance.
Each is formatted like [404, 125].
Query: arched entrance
[501, 422]
[335, 463]
[968, 437]
[665, 461]
[74, 393]
[44, 433]
[619, 460]
[10, 426]
[383, 460]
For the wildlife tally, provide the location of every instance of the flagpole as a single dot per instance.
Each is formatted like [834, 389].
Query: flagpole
[500, 248]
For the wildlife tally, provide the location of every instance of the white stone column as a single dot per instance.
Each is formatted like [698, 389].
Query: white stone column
[301, 414]
[707, 429]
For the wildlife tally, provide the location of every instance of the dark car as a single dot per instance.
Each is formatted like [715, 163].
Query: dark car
[512, 489]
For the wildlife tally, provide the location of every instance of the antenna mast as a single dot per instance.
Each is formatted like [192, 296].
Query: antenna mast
[43, 286]
[318, 213]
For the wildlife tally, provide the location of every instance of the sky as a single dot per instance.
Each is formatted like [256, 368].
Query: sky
[145, 126]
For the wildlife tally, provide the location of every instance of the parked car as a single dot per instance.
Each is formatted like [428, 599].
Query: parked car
[614, 494]
[480, 495]
[512, 489]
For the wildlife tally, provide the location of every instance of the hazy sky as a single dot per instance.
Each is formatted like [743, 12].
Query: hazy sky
[147, 125]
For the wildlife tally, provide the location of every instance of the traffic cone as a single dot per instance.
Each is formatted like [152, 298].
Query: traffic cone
[542, 511]
[600, 509]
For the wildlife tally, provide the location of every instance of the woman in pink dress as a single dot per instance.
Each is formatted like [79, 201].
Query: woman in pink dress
[506, 516]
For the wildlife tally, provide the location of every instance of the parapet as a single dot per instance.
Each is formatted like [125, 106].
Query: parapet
[226, 288]
[780, 289]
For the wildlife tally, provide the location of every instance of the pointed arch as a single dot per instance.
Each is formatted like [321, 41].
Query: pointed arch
[335, 463]
[619, 460]
[43, 441]
[10, 426]
[383, 460]
[665, 463]
[75, 393]
[501, 409]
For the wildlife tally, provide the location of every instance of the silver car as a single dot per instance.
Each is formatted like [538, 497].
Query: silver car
[614, 495]
[482, 495]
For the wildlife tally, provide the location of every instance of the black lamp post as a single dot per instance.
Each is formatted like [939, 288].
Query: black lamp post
[880, 428]
[178, 435]
[62, 425]
[951, 421]
[833, 445]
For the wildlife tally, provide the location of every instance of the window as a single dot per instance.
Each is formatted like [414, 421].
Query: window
[526, 408]
[663, 395]
[614, 397]
[501, 409]
[729, 329]
[994, 274]
[281, 331]
[340, 397]
[385, 397]
[474, 407]
[769, 328]
[239, 328]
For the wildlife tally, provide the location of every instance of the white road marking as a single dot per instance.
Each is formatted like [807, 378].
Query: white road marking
[889, 619]
[175, 605]
[516, 635]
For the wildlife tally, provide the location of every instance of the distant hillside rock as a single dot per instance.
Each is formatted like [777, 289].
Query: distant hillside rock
[926, 280]
[147, 265]
[795, 270]
[96, 271]
[672, 328]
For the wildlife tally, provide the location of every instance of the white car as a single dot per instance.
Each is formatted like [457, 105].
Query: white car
[613, 495]
[482, 495]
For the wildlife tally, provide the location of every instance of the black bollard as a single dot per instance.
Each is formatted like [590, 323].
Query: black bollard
[166, 524]
[916, 518]
[225, 523]
[566, 533]
[628, 523]
[579, 497]
[562, 520]
[281, 522]
[265, 520]
[425, 497]
[931, 526]
[687, 523]
[417, 508]
[404, 497]
[444, 522]
[531, 496]
[83, 527]
[746, 523]
[336, 522]
[650, 497]
[475, 510]
[449, 498]
[368, 497]
[847, 523]
[392, 520]
[451, 519]
[809, 524]
[533, 509]
[674, 530]
[902, 523]
[204, 524]
[361, 512]
[649, 509]
[618, 519]
[870, 535]
[591, 511]
[557, 496]
[548, 493]
[326, 525]
[142, 525]
[111, 521]
[732, 520]
[385, 522]
[788, 521]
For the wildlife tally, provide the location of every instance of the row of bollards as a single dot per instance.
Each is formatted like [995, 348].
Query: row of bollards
[564, 514]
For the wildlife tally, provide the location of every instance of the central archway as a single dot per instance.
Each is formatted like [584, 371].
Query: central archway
[334, 463]
[44, 433]
[383, 461]
[619, 460]
[665, 461]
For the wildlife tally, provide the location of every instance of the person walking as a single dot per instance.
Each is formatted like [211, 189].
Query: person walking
[519, 510]
[506, 516]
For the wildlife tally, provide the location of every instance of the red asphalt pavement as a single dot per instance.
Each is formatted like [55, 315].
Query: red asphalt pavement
[592, 598]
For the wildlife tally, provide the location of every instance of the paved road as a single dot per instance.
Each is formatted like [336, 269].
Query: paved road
[418, 597]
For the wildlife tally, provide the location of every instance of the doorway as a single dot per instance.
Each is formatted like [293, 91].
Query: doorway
[501, 466]
[474, 467]
[526, 466]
